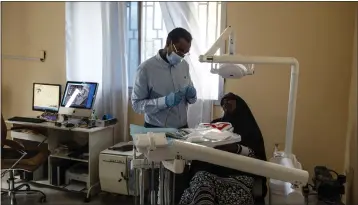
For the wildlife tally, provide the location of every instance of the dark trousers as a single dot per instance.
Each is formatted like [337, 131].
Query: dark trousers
[181, 180]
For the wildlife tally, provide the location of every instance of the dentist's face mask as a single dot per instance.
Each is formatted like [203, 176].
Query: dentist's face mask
[174, 59]
[176, 55]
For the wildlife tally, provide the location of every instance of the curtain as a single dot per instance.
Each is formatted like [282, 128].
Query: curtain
[185, 15]
[351, 158]
[96, 50]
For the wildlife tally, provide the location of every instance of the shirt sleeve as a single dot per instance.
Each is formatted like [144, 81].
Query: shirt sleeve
[192, 100]
[140, 95]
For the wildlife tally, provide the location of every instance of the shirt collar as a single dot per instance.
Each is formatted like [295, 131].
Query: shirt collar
[158, 57]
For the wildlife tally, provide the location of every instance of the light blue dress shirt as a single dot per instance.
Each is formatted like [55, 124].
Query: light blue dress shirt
[156, 79]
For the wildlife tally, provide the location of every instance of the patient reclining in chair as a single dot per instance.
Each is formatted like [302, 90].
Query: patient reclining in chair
[213, 184]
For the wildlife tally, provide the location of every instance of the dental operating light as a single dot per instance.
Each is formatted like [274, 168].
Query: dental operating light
[237, 66]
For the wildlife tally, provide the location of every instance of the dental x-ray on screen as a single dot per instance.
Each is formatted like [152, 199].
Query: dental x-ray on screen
[79, 95]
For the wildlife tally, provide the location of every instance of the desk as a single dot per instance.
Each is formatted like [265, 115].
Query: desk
[97, 139]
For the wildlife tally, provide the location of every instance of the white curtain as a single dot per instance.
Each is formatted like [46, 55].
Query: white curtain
[96, 50]
[185, 15]
[351, 158]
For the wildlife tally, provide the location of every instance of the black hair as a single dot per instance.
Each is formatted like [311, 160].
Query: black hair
[176, 34]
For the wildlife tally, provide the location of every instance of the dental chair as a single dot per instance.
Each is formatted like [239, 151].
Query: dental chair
[16, 157]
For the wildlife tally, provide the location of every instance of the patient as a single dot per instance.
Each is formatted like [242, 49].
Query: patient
[213, 184]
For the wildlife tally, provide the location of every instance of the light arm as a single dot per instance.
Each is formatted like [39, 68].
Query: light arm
[221, 40]
[240, 59]
[238, 162]
[157, 148]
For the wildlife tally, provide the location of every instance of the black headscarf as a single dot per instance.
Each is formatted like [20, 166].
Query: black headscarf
[245, 125]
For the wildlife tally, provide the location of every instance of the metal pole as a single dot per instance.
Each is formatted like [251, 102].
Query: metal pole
[141, 191]
[173, 194]
[153, 185]
[161, 184]
[135, 178]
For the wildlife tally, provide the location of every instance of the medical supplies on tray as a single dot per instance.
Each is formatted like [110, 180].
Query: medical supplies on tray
[204, 132]
[179, 134]
[222, 126]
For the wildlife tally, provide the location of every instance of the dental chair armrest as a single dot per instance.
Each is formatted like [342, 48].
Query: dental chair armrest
[232, 148]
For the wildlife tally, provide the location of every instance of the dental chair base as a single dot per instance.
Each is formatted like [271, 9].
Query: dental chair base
[281, 192]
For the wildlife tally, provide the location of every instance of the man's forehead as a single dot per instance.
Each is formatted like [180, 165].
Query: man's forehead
[183, 44]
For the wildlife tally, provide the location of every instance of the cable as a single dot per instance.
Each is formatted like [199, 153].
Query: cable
[330, 170]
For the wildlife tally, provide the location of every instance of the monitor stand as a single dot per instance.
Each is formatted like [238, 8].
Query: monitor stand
[75, 112]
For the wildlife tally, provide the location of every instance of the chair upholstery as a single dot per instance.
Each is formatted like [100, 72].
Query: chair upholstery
[28, 164]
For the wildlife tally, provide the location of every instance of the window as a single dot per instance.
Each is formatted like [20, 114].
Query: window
[133, 23]
[152, 35]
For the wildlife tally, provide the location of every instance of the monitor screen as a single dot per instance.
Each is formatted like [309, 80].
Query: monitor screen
[46, 97]
[79, 95]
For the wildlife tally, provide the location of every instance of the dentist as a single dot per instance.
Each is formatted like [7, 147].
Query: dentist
[163, 87]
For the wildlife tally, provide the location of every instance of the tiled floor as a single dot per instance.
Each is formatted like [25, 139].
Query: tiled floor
[58, 197]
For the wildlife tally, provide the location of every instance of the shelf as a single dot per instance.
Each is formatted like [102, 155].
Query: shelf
[72, 186]
[65, 156]
[46, 182]
[43, 182]
[26, 135]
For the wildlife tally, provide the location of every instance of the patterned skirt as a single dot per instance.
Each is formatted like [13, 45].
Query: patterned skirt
[209, 189]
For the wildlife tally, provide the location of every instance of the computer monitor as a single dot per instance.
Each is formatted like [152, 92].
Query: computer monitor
[46, 97]
[78, 98]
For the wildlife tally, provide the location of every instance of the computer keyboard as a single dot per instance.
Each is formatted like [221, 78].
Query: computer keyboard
[27, 119]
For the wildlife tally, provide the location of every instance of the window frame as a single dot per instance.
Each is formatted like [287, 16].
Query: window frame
[139, 19]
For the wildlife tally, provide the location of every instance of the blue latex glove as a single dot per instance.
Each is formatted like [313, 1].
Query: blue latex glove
[173, 99]
[190, 92]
